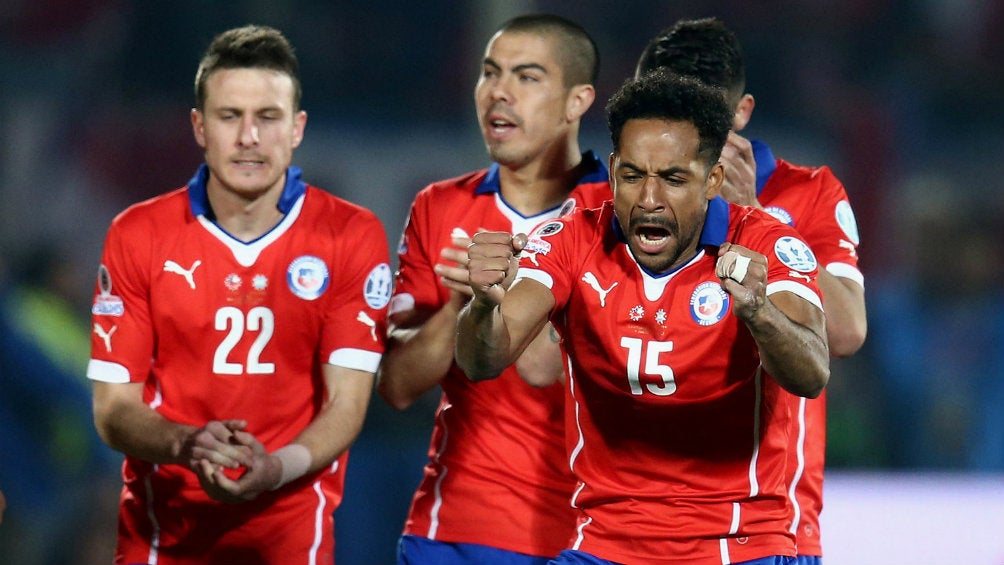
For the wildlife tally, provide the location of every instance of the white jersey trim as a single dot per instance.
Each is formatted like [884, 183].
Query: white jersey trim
[247, 253]
[352, 358]
[845, 271]
[438, 486]
[533, 274]
[797, 289]
[800, 468]
[404, 302]
[107, 372]
[318, 523]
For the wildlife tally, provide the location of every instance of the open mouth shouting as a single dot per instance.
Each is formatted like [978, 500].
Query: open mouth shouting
[652, 235]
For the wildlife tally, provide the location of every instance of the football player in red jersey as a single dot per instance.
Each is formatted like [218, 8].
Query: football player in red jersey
[496, 488]
[238, 322]
[685, 319]
[810, 199]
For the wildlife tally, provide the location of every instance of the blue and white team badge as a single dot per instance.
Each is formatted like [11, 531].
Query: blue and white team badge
[781, 214]
[708, 303]
[795, 254]
[307, 277]
[378, 286]
[550, 228]
[846, 221]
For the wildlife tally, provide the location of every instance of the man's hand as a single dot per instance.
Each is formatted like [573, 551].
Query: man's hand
[453, 273]
[740, 171]
[215, 444]
[494, 259]
[743, 273]
[262, 472]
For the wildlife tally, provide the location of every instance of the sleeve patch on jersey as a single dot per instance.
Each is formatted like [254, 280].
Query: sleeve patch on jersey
[795, 254]
[533, 247]
[567, 208]
[708, 303]
[550, 228]
[781, 214]
[308, 277]
[378, 286]
[106, 303]
[846, 221]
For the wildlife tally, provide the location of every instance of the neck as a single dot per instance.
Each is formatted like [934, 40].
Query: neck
[245, 216]
[543, 183]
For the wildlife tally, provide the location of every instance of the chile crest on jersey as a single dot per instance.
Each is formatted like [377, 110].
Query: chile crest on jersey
[708, 303]
[308, 277]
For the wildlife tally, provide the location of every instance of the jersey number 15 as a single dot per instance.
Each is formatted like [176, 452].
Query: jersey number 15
[652, 350]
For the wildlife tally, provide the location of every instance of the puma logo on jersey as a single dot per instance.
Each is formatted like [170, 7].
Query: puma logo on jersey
[105, 336]
[796, 274]
[172, 267]
[848, 246]
[590, 279]
[531, 253]
[365, 319]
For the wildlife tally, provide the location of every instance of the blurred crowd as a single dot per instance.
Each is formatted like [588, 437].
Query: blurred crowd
[901, 98]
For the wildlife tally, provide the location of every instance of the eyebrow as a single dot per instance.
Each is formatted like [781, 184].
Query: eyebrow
[518, 68]
[661, 173]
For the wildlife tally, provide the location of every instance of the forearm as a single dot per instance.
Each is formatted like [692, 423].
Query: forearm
[340, 420]
[796, 356]
[417, 359]
[541, 363]
[137, 430]
[483, 343]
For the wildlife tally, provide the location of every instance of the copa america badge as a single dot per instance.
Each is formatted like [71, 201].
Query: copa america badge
[308, 277]
[795, 254]
[845, 219]
[708, 303]
[378, 286]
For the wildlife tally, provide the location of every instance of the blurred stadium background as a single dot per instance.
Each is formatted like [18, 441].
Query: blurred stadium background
[901, 98]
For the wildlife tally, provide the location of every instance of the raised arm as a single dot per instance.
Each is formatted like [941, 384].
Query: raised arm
[497, 325]
[790, 331]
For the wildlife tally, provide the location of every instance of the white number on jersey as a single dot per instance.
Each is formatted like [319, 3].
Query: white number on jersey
[259, 319]
[652, 349]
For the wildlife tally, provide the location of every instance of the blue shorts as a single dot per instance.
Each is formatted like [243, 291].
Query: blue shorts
[416, 550]
[809, 560]
[573, 557]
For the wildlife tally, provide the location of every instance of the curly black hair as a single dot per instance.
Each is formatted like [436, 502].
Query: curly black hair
[663, 95]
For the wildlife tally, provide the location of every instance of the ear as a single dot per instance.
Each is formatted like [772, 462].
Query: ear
[198, 127]
[713, 186]
[299, 125]
[744, 111]
[580, 98]
[610, 168]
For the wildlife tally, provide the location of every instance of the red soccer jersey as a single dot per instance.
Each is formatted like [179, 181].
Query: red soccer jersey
[814, 202]
[497, 472]
[220, 329]
[678, 437]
